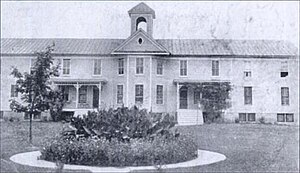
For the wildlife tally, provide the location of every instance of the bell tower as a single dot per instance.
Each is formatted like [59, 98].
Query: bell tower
[142, 15]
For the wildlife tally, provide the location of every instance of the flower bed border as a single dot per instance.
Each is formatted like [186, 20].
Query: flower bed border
[31, 159]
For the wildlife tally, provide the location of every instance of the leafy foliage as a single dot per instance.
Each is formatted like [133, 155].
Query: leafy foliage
[121, 123]
[35, 87]
[103, 152]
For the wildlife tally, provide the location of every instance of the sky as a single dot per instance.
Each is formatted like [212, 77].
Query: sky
[180, 20]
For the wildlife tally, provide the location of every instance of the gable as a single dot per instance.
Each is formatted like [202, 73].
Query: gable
[140, 43]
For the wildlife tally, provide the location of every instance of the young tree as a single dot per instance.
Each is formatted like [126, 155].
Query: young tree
[35, 87]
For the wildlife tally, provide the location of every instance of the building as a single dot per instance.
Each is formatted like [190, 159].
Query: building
[159, 74]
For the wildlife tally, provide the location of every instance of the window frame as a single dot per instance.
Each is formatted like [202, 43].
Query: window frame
[139, 95]
[80, 94]
[68, 68]
[159, 94]
[13, 91]
[139, 68]
[284, 118]
[215, 69]
[183, 69]
[121, 68]
[243, 117]
[159, 67]
[95, 65]
[285, 99]
[246, 96]
[120, 94]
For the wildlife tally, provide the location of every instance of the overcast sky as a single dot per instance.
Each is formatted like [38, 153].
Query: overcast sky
[230, 20]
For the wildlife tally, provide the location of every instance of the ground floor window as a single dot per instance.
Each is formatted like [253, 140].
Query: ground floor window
[119, 94]
[139, 94]
[1, 114]
[285, 117]
[83, 94]
[247, 116]
[159, 94]
[35, 116]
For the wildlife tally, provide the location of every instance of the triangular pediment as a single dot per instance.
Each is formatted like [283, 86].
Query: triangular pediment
[140, 43]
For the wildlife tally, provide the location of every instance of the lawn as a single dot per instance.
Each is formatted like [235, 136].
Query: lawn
[248, 147]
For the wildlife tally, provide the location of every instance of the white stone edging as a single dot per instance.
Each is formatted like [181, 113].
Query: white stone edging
[31, 159]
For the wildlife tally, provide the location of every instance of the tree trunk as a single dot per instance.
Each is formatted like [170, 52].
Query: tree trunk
[30, 128]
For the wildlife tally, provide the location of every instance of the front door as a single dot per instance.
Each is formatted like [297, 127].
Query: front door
[183, 98]
[95, 97]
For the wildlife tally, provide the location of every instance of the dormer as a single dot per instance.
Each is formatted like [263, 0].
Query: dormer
[142, 17]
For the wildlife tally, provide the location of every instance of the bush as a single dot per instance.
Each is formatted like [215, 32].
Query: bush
[121, 123]
[262, 120]
[136, 152]
[237, 120]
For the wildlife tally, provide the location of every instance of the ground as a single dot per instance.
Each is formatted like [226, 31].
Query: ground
[248, 147]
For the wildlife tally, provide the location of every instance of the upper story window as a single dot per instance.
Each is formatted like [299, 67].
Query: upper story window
[139, 65]
[66, 66]
[215, 67]
[183, 67]
[159, 67]
[248, 95]
[119, 94]
[121, 66]
[285, 96]
[284, 69]
[97, 66]
[247, 69]
[13, 91]
[139, 94]
[159, 94]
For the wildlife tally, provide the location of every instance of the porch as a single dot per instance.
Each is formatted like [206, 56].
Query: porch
[80, 95]
[189, 110]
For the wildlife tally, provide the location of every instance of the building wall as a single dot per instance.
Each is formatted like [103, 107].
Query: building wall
[265, 81]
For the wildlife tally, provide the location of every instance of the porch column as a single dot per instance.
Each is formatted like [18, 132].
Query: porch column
[77, 91]
[178, 95]
[100, 88]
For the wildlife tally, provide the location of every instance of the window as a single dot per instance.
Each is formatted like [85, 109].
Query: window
[139, 65]
[247, 74]
[83, 94]
[215, 68]
[13, 91]
[97, 66]
[159, 94]
[284, 69]
[35, 116]
[159, 69]
[65, 91]
[119, 94]
[121, 66]
[32, 63]
[242, 117]
[183, 67]
[285, 117]
[251, 116]
[66, 66]
[285, 96]
[248, 95]
[247, 117]
[139, 94]
[196, 96]
[1, 114]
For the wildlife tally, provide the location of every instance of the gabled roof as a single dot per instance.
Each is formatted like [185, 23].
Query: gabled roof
[147, 46]
[176, 47]
[142, 8]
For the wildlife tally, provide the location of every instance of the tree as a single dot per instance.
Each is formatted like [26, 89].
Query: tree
[35, 87]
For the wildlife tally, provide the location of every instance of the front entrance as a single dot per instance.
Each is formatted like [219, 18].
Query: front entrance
[183, 92]
[95, 97]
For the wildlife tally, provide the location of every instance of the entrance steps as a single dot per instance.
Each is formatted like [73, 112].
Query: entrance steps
[189, 117]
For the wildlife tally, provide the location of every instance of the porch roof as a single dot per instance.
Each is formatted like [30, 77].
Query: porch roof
[79, 81]
[196, 81]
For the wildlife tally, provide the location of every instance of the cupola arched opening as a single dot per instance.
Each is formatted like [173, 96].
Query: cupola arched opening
[141, 22]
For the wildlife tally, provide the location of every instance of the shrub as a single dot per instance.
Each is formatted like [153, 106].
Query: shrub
[262, 120]
[237, 120]
[136, 152]
[121, 123]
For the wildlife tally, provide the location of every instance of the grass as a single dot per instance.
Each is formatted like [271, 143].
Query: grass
[248, 147]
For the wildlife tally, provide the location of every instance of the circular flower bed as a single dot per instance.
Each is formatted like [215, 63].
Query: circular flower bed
[136, 152]
[121, 137]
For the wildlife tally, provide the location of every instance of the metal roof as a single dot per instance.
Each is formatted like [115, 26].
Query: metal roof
[181, 47]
